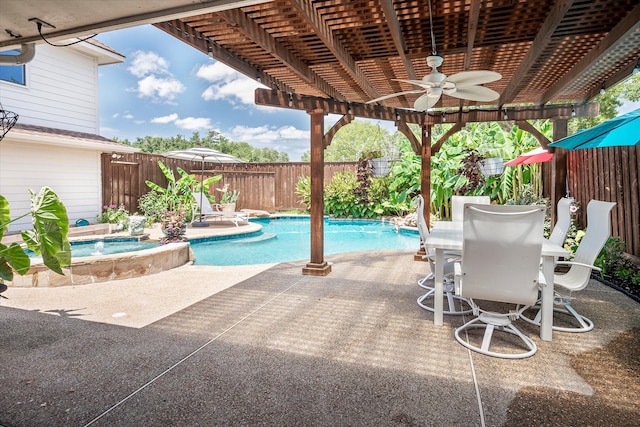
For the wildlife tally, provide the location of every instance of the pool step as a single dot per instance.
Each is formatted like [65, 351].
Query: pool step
[260, 238]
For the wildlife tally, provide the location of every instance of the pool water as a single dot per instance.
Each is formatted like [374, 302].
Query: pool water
[105, 247]
[287, 239]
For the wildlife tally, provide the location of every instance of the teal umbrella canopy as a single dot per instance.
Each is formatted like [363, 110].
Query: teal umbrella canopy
[620, 131]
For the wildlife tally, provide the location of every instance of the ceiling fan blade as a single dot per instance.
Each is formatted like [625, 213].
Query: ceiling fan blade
[474, 93]
[426, 101]
[421, 83]
[471, 78]
[395, 94]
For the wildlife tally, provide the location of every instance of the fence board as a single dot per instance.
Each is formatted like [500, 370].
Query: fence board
[264, 186]
[609, 174]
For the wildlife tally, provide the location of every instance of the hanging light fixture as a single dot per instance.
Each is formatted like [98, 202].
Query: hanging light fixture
[8, 119]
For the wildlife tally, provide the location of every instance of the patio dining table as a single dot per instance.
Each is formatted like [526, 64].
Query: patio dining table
[446, 236]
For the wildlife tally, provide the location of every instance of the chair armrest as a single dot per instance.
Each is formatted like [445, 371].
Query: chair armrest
[593, 267]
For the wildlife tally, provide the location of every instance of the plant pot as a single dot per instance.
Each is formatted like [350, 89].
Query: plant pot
[491, 166]
[136, 225]
[380, 166]
[228, 207]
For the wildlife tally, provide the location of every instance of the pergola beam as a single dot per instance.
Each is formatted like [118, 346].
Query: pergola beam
[263, 39]
[396, 33]
[343, 57]
[535, 51]
[280, 99]
[197, 40]
[593, 60]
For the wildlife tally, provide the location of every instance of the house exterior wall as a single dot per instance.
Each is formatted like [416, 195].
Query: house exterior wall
[74, 175]
[61, 91]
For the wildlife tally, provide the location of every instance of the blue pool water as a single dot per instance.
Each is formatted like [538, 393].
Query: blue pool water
[287, 239]
[105, 247]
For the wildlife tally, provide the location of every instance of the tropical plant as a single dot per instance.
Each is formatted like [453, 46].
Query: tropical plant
[178, 193]
[228, 196]
[47, 239]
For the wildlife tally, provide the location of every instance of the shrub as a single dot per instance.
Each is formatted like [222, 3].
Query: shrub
[113, 214]
[617, 267]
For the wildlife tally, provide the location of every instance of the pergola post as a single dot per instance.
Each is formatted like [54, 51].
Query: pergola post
[317, 265]
[558, 167]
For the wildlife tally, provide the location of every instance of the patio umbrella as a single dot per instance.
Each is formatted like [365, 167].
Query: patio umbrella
[539, 155]
[206, 155]
[620, 131]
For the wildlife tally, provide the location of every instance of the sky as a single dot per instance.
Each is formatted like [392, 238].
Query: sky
[167, 88]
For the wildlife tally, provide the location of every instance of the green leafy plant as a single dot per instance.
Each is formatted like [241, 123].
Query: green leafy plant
[176, 196]
[617, 267]
[228, 196]
[303, 190]
[152, 206]
[48, 238]
[113, 214]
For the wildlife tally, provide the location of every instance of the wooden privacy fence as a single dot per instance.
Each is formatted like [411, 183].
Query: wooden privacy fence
[609, 174]
[264, 186]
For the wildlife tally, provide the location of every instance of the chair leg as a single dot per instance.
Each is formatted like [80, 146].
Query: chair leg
[451, 299]
[488, 335]
[562, 307]
[423, 282]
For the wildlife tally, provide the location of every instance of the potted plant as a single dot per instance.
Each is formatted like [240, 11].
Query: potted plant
[228, 198]
[174, 226]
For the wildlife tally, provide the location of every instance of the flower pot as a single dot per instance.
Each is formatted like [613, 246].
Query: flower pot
[136, 225]
[228, 207]
[380, 166]
[491, 166]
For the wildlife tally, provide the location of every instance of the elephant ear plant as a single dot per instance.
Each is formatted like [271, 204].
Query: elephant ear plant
[47, 239]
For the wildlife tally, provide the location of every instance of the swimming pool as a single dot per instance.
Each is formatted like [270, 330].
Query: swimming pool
[287, 239]
[104, 247]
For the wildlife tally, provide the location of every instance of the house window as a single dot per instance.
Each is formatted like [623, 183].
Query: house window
[12, 73]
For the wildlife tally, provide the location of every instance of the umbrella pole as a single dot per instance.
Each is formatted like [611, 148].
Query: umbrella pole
[202, 222]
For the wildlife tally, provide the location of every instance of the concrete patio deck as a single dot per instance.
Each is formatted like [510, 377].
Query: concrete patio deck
[265, 345]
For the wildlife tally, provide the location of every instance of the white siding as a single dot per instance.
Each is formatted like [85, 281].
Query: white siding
[61, 91]
[73, 174]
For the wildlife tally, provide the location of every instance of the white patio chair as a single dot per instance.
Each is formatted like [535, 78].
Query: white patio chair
[579, 273]
[458, 202]
[427, 281]
[206, 211]
[563, 222]
[500, 263]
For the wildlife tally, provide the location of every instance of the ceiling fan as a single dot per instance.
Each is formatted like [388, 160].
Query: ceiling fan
[464, 85]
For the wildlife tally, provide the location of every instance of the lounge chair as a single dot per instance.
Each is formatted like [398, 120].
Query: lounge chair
[206, 211]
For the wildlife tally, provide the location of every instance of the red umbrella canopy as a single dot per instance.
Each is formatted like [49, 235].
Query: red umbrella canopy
[539, 155]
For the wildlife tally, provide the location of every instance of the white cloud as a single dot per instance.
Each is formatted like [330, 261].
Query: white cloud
[165, 119]
[284, 139]
[128, 116]
[227, 84]
[194, 123]
[145, 63]
[160, 88]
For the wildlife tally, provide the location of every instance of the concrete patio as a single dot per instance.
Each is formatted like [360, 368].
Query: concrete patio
[265, 345]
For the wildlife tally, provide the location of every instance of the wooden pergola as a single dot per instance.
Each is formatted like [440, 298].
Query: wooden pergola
[333, 56]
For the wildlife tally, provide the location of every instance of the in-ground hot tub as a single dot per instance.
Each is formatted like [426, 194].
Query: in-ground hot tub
[103, 268]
